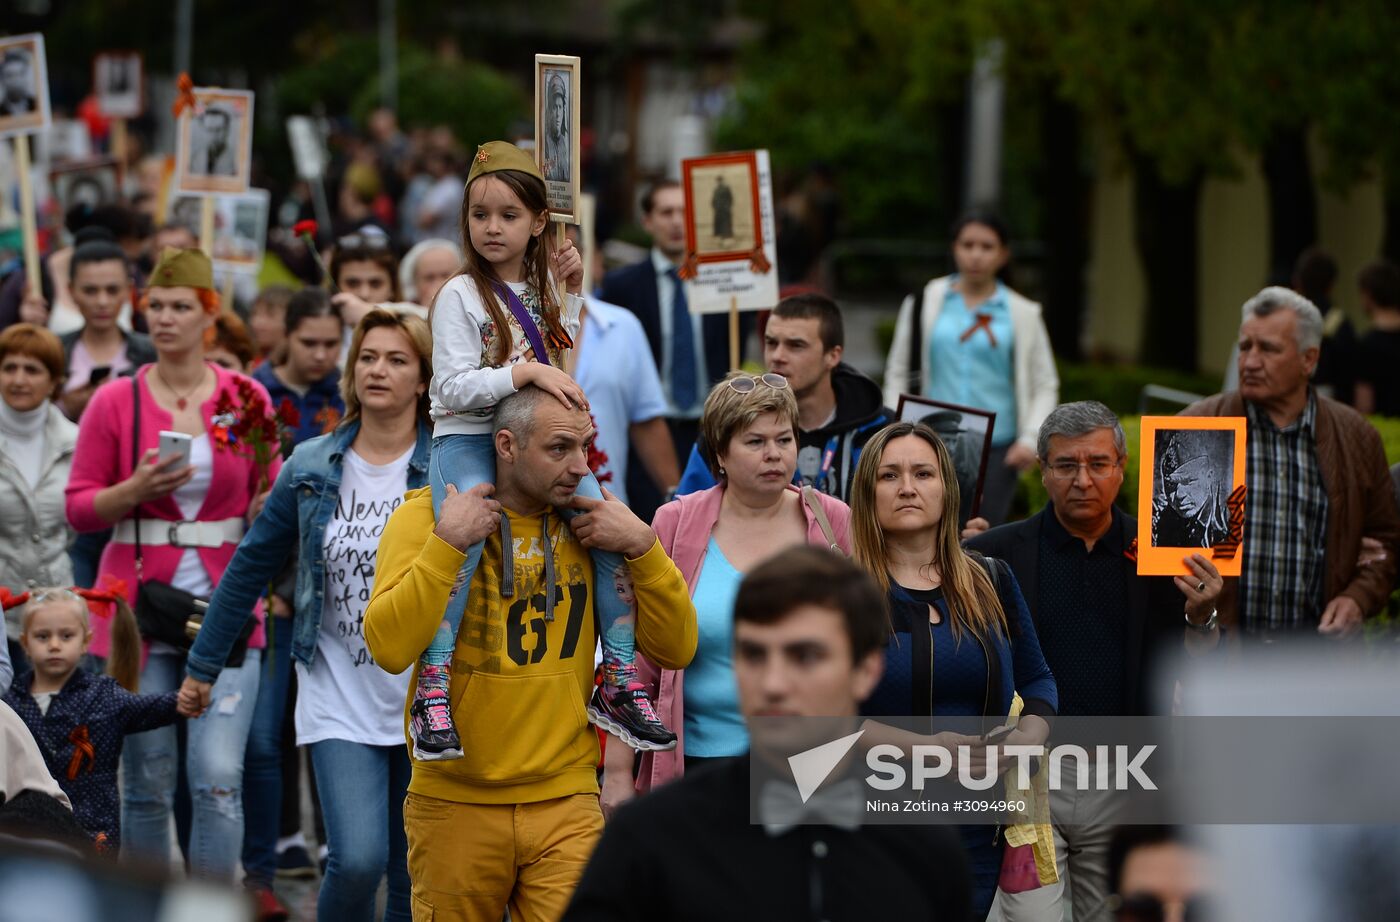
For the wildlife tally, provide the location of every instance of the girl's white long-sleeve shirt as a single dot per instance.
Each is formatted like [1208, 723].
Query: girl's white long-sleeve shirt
[465, 390]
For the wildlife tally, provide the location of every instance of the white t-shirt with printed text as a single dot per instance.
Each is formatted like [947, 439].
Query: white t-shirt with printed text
[344, 695]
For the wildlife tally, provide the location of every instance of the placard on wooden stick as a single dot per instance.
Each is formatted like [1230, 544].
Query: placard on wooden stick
[214, 150]
[557, 151]
[1191, 493]
[731, 255]
[24, 110]
[118, 84]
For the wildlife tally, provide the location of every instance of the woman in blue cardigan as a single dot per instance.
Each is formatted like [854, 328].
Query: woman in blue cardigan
[962, 642]
[328, 506]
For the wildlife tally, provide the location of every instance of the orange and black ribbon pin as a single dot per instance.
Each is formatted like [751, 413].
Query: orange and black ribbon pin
[82, 749]
[184, 96]
[983, 322]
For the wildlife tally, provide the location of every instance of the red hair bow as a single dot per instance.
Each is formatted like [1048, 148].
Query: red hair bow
[100, 600]
[9, 600]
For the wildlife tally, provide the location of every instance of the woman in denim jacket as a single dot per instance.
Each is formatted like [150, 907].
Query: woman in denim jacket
[329, 505]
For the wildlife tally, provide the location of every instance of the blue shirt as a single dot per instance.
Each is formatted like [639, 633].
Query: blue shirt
[620, 380]
[975, 371]
[713, 725]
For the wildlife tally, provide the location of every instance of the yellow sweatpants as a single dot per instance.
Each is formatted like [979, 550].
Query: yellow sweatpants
[471, 861]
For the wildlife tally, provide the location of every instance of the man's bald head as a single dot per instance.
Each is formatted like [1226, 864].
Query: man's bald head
[541, 449]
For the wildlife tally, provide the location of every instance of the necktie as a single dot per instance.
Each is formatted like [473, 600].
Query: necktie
[683, 389]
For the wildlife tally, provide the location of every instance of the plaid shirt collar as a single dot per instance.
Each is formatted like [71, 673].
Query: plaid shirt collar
[1307, 423]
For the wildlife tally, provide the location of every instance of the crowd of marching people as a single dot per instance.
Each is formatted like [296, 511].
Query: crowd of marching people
[516, 564]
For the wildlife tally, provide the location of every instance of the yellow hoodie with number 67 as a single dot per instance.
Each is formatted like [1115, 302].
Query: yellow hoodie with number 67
[521, 676]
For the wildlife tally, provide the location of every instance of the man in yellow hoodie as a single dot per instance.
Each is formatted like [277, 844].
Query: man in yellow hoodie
[513, 822]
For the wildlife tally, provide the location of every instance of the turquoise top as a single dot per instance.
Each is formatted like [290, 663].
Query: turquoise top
[977, 371]
[713, 725]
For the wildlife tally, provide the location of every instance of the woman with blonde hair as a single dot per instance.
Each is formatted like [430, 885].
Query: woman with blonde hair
[748, 438]
[962, 643]
[330, 503]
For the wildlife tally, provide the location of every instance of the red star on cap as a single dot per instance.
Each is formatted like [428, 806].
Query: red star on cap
[483, 155]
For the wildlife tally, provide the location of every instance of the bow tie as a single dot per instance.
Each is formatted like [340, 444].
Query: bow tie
[780, 807]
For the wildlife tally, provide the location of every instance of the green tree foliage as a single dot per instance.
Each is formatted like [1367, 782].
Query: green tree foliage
[839, 84]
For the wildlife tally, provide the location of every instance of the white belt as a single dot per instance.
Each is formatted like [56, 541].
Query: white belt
[161, 532]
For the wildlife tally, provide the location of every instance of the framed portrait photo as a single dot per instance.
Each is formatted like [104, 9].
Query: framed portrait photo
[967, 434]
[557, 149]
[118, 83]
[240, 226]
[723, 219]
[1191, 493]
[24, 86]
[215, 142]
[91, 183]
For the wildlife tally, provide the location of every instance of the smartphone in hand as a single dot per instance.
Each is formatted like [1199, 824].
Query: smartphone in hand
[175, 444]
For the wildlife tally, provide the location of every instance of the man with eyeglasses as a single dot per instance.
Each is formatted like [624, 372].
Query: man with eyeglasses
[1101, 626]
[1156, 876]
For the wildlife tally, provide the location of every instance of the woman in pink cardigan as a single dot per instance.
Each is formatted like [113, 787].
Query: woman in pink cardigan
[192, 517]
[715, 537]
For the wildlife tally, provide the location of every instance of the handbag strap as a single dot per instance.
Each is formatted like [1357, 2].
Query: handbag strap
[809, 496]
[526, 322]
[915, 384]
[135, 461]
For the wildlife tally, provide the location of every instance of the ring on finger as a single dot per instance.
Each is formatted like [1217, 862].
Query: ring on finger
[1201, 586]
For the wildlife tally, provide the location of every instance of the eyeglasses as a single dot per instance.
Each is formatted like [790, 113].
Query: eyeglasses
[1068, 470]
[745, 384]
[1144, 907]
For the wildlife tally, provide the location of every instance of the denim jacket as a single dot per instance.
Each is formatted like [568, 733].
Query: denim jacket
[302, 501]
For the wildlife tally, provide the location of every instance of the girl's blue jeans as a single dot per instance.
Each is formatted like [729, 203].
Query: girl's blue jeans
[467, 460]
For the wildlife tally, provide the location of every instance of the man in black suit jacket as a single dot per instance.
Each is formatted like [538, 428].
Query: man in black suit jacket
[691, 353]
[1101, 627]
[691, 851]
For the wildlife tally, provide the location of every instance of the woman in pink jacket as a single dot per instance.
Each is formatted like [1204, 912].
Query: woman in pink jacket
[192, 516]
[748, 438]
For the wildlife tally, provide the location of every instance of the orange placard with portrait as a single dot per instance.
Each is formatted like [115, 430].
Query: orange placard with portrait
[1191, 493]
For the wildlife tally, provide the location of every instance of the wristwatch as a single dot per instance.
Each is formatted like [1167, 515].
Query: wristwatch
[1207, 626]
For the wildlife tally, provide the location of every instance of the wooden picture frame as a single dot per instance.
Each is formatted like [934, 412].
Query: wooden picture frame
[24, 86]
[209, 159]
[81, 180]
[967, 434]
[557, 102]
[722, 226]
[119, 83]
[1186, 504]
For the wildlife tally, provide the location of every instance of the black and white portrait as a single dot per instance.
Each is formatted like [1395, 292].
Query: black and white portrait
[89, 185]
[556, 132]
[556, 153]
[1193, 478]
[215, 142]
[242, 230]
[966, 433]
[24, 103]
[117, 83]
[211, 142]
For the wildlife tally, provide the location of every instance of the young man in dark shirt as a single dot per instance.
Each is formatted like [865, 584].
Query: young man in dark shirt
[809, 631]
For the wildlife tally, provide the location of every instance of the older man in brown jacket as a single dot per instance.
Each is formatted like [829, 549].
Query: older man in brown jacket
[1317, 483]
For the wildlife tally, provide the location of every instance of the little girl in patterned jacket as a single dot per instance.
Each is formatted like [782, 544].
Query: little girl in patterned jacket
[79, 718]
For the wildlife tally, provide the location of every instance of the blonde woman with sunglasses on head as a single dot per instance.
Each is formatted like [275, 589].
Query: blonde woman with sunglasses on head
[748, 437]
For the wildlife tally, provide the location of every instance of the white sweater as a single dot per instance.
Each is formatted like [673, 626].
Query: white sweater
[1036, 382]
[464, 392]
